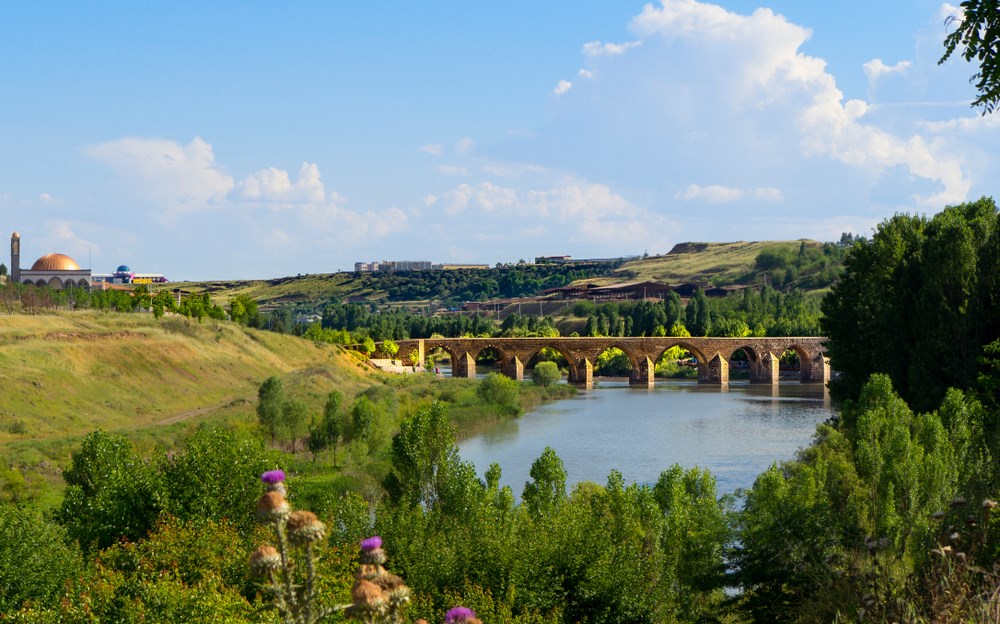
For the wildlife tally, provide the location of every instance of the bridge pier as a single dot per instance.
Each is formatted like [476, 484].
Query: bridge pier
[765, 370]
[582, 375]
[513, 368]
[715, 371]
[464, 366]
[816, 370]
[642, 374]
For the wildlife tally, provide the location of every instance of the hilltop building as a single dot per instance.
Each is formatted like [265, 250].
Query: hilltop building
[125, 275]
[388, 266]
[55, 270]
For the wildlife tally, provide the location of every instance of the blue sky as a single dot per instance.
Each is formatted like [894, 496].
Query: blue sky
[253, 140]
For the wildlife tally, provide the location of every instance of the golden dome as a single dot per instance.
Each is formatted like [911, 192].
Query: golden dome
[55, 262]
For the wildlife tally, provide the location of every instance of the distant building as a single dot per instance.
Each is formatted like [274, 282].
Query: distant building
[124, 275]
[388, 266]
[553, 259]
[55, 270]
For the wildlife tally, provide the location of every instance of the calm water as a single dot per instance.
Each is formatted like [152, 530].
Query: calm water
[736, 432]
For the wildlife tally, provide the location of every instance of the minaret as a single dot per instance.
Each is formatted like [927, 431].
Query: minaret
[15, 258]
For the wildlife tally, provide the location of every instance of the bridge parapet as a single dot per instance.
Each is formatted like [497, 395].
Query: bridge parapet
[712, 355]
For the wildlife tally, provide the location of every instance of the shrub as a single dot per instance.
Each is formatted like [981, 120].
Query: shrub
[546, 374]
[498, 389]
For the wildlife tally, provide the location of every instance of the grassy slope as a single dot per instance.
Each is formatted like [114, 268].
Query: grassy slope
[66, 374]
[700, 262]
[302, 288]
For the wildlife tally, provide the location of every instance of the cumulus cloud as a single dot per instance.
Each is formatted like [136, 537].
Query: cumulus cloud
[464, 146]
[585, 73]
[562, 87]
[183, 177]
[717, 194]
[596, 48]
[273, 185]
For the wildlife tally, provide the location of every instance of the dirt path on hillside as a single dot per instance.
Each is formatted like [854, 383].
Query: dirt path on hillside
[189, 414]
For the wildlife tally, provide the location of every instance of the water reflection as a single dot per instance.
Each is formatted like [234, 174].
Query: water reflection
[736, 432]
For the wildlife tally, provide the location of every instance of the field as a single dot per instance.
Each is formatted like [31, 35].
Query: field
[66, 374]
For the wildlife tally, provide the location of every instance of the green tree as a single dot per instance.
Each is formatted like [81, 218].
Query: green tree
[270, 403]
[362, 418]
[424, 458]
[917, 303]
[243, 310]
[390, 348]
[111, 493]
[36, 558]
[547, 489]
[977, 34]
[294, 415]
[545, 374]
[215, 476]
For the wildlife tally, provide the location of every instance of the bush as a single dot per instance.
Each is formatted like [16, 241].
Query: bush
[545, 374]
[497, 389]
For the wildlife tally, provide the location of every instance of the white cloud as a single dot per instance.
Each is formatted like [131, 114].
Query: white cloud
[183, 177]
[596, 48]
[717, 194]
[562, 87]
[434, 149]
[875, 68]
[273, 185]
[464, 146]
[45, 197]
[586, 73]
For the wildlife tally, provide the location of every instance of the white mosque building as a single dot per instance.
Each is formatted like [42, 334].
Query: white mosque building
[55, 270]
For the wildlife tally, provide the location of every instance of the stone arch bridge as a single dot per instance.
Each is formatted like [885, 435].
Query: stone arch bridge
[712, 355]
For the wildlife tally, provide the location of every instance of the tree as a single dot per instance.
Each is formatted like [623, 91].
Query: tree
[327, 432]
[548, 485]
[390, 348]
[293, 420]
[917, 303]
[977, 31]
[424, 458]
[362, 418]
[36, 559]
[3, 270]
[546, 374]
[243, 310]
[111, 493]
[270, 403]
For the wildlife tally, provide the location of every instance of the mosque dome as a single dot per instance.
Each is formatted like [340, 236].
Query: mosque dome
[123, 269]
[55, 262]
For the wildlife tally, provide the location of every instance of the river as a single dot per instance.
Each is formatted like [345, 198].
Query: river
[735, 431]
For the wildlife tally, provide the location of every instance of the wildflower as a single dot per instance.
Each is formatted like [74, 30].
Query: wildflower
[461, 615]
[275, 481]
[265, 559]
[305, 528]
[371, 550]
[272, 507]
[273, 476]
[989, 504]
[371, 543]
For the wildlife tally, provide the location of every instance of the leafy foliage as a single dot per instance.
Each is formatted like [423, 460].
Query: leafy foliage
[977, 32]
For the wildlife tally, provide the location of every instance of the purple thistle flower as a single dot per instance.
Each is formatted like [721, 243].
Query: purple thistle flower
[455, 615]
[273, 476]
[371, 543]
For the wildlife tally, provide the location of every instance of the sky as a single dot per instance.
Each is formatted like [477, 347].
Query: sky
[242, 140]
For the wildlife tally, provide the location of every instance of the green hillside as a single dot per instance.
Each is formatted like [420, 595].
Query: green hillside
[66, 374]
[804, 264]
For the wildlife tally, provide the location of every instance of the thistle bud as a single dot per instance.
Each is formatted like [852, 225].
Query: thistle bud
[272, 507]
[958, 501]
[989, 504]
[274, 481]
[305, 528]
[265, 559]
[460, 615]
[371, 551]
[365, 593]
